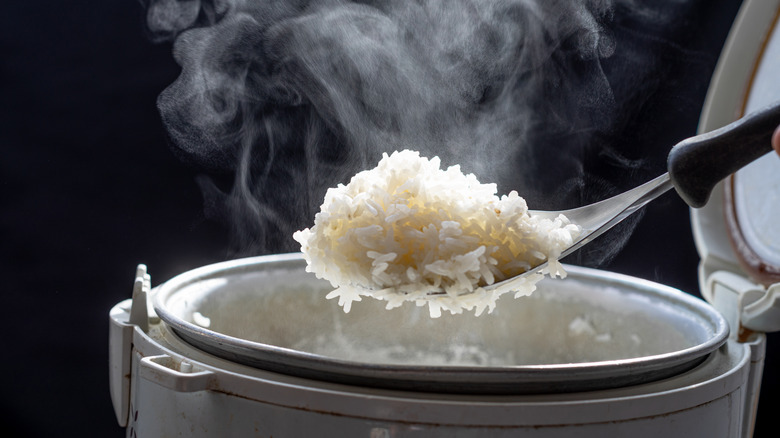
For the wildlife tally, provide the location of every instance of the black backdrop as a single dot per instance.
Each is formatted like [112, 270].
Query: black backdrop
[89, 188]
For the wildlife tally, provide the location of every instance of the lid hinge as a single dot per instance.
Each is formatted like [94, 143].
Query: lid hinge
[748, 307]
[763, 315]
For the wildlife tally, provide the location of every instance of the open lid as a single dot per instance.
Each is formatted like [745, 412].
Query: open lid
[737, 232]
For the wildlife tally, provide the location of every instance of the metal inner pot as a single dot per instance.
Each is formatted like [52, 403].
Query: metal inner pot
[592, 330]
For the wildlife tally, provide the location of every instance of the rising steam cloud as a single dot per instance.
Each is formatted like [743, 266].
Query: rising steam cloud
[278, 100]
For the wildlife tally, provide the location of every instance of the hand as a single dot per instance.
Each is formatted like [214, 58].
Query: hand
[776, 140]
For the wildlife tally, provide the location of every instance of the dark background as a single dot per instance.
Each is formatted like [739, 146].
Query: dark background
[89, 188]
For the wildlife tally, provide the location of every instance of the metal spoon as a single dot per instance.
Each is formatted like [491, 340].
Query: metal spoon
[695, 166]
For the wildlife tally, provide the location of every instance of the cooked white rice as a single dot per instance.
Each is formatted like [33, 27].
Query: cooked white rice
[408, 228]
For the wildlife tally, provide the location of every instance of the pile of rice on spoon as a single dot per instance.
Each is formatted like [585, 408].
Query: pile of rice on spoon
[408, 230]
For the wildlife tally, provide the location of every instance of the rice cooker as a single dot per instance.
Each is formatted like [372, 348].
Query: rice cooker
[251, 347]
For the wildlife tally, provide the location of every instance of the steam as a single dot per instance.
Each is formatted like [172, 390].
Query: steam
[278, 100]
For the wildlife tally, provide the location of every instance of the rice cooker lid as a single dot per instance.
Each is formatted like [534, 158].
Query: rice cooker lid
[737, 231]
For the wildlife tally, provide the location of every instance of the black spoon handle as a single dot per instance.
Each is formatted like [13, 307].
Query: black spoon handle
[697, 164]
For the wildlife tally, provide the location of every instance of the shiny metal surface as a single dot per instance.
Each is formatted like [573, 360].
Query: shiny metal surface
[592, 330]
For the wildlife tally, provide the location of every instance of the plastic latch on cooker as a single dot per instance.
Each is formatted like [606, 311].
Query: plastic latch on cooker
[125, 317]
[142, 311]
[744, 304]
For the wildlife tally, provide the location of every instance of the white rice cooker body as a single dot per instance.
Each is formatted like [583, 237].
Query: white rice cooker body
[164, 386]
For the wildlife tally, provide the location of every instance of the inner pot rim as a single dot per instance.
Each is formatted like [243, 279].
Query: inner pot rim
[513, 379]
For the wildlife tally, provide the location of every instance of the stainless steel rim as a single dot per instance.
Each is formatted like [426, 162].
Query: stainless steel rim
[521, 379]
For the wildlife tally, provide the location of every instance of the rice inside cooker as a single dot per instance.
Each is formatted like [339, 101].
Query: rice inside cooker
[407, 229]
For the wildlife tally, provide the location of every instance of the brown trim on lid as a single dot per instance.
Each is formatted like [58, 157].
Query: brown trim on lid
[752, 263]
[758, 270]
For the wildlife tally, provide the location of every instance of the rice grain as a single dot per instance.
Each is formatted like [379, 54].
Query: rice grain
[408, 228]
